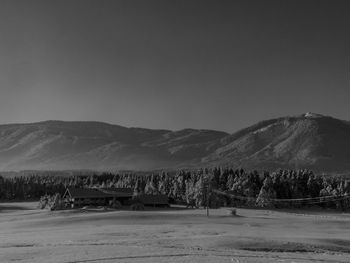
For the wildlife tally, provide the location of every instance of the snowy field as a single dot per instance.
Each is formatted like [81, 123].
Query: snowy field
[171, 235]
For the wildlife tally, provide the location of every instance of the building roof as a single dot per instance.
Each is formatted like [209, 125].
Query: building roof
[98, 192]
[85, 193]
[118, 192]
[153, 199]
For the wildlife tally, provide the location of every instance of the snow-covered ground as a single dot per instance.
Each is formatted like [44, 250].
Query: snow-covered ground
[171, 235]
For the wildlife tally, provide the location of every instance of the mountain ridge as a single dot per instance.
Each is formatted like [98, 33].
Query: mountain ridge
[310, 140]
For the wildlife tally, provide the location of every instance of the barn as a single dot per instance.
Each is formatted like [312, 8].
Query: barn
[158, 200]
[78, 197]
[120, 194]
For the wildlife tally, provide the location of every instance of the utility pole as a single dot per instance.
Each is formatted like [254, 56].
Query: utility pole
[207, 196]
[207, 193]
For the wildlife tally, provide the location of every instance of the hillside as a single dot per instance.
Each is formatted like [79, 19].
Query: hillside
[96, 145]
[312, 141]
[309, 141]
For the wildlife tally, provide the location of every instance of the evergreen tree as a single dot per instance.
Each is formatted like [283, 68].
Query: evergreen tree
[266, 194]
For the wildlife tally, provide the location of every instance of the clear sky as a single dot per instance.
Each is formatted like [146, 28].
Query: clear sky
[173, 64]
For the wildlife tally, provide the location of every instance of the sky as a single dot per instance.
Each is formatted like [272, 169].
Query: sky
[220, 65]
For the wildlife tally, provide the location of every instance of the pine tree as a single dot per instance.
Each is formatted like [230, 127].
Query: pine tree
[266, 194]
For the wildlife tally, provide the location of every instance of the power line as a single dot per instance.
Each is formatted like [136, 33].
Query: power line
[310, 200]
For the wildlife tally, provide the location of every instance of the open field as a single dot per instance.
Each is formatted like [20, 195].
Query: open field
[171, 235]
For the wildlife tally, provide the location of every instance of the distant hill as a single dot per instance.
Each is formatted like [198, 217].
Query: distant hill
[96, 145]
[312, 141]
[309, 141]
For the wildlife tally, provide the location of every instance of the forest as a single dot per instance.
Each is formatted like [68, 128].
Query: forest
[215, 187]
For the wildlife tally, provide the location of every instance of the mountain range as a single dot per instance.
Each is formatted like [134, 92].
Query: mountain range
[311, 141]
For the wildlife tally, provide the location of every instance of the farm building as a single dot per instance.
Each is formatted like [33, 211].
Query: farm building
[152, 200]
[120, 194]
[78, 197]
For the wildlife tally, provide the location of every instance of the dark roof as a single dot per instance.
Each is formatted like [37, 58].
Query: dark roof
[118, 192]
[86, 193]
[98, 192]
[153, 199]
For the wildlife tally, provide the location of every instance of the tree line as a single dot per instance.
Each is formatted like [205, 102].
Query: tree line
[214, 187]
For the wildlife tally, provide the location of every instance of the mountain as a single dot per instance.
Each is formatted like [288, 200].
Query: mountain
[312, 141]
[96, 145]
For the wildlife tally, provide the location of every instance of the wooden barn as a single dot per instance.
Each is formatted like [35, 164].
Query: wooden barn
[78, 197]
[120, 194]
[153, 200]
